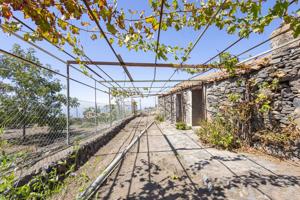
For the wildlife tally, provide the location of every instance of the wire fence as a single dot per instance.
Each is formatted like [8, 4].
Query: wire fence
[39, 119]
[89, 118]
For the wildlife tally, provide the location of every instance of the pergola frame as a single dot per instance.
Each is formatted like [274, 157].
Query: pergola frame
[139, 64]
[124, 65]
[145, 81]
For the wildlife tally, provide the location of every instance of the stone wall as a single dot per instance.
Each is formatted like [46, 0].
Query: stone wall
[285, 101]
[167, 107]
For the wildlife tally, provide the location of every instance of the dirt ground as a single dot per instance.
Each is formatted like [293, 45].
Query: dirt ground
[80, 179]
[172, 164]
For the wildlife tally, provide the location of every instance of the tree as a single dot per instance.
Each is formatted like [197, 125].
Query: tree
[30, 95]
[89, 113]
[103, 114]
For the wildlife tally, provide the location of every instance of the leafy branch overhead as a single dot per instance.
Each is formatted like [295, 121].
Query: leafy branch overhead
[226, 61]
[115, 92]
[61, 21]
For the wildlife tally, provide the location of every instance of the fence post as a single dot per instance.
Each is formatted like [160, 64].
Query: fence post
[140, 105]
[68, 104]
[124, 109]
[96, 118]
[110, 108]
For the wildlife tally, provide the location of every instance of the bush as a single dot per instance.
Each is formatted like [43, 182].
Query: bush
[182, 126]
[159, 118]
[285, 138]
[218, 133]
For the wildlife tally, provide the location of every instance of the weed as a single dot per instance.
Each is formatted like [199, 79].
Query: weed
[159, 118]
[174, 177]
[182, 126]
[40, 186]
[283, 138]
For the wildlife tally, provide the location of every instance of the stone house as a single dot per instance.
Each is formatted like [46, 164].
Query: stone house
[191, 102]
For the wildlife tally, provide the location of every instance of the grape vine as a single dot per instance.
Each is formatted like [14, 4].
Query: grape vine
[61, 21]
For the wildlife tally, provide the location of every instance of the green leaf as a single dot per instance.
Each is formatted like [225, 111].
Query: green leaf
[175, 4]
[111, 28]
[231, 29]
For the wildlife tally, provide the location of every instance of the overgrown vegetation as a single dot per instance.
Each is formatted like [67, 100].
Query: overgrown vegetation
[40, 186]
[233, 123]
[285, 138]
[219, 133]
[182, 126]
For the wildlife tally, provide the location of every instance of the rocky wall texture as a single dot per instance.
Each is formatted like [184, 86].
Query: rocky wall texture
[284, 111]
[167, 106]
[285, 100]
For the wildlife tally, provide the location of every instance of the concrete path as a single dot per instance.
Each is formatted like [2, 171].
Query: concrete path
[172, 164]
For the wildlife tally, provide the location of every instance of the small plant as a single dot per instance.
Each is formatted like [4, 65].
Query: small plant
[218, 133]
[182, 126]
[234, 97]
[2, 142]
[40, 186]
[159, 118]
[174, 177]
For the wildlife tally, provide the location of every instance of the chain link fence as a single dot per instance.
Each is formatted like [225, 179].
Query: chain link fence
[35, 123]
[35, 132]
[89, 118]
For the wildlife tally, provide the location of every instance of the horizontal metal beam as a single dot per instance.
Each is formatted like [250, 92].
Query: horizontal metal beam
[146, 95]
[142, 87]
[134, 64]
[125, 81]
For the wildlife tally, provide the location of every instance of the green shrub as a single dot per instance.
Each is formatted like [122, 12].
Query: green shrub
[159, 118]
[39, 187]
[182, 126]
[218, 133]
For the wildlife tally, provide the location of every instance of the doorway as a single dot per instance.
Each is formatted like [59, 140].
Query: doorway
[179, 108]
[198, 107]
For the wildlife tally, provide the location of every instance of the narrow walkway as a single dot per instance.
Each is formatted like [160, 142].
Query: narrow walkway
[172, 164]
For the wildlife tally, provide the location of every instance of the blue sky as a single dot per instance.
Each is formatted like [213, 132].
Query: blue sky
[213, 41]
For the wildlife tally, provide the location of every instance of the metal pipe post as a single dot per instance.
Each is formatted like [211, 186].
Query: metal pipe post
[110, 108]
[68, 104]
[96, 116]
[140, 105]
